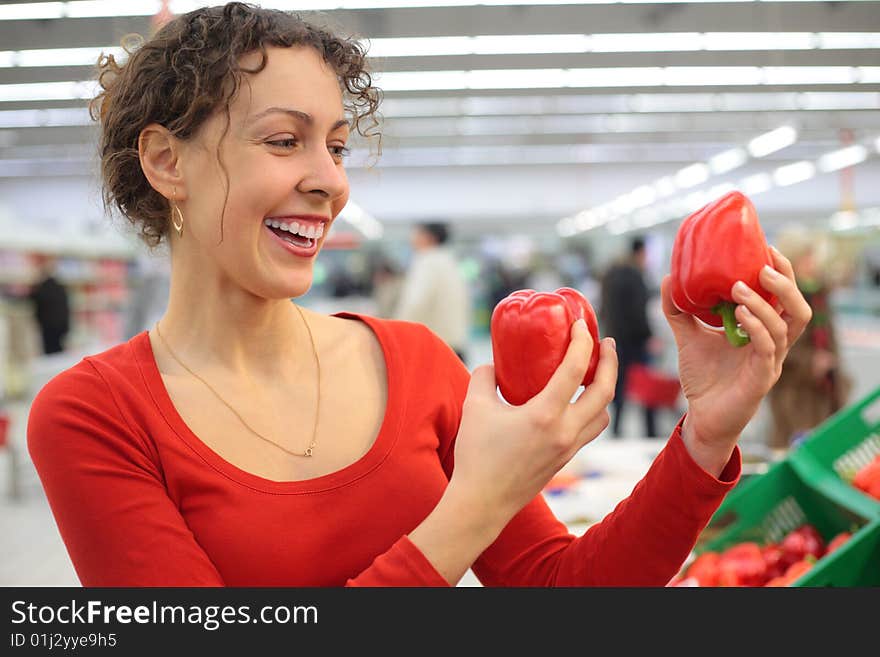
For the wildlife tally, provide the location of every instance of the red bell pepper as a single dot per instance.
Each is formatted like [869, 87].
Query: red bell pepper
[742, 565]
[530, 332]
[704, 569]
[715, 247]
[801, 543]
[792, 573]
[867, 479]
[774, 557]
[837, 541]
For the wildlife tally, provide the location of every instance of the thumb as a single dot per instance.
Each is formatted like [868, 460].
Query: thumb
[483, 381]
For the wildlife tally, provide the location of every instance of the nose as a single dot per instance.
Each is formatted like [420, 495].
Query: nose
[324, 176]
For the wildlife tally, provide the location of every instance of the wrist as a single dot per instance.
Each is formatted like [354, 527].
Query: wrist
[711, 453]
[475, 514]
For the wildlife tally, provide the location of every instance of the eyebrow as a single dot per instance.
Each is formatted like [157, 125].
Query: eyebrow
[298, 114]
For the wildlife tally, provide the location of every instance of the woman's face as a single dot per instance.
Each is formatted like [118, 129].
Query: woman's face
[281, 161]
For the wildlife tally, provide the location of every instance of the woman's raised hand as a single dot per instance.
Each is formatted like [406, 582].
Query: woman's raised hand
[724, 385]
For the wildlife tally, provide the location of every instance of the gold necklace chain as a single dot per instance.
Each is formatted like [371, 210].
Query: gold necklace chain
[311, 448]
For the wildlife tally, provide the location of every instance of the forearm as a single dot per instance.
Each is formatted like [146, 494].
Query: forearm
[455, 533]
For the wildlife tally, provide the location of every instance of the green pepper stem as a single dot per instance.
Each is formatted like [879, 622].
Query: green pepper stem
[735, 334]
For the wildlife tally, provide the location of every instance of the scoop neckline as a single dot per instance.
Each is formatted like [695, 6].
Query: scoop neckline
[373, 458]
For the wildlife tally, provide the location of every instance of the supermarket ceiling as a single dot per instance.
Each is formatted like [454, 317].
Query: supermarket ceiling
[669, 101]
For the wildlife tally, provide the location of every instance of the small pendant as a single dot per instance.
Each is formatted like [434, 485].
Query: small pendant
[309, 451]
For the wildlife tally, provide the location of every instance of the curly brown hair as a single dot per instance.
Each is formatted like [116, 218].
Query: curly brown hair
[188, 70]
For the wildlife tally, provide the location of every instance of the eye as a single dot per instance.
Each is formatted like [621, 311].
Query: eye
[339, 152]
[285, 142]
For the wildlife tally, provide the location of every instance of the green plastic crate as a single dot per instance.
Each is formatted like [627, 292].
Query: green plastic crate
[766, 507]
[856, 563]
[831, 455]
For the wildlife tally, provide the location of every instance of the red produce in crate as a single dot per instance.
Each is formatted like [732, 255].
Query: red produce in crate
[803, 542]
[837, 541]
[742, 565]
[774, 558]
[704, 569]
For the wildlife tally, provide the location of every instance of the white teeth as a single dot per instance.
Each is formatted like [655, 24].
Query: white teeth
[312, 232]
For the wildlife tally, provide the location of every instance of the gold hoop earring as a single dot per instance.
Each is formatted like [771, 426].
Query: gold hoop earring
[175, 209]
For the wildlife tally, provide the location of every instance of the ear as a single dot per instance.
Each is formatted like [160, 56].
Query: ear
[159, 151]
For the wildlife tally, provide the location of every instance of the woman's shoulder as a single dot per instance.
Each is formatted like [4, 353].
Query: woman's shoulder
[94, 371]
[396, 333]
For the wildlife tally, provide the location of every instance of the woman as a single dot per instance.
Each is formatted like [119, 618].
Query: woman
[813, 385]
[246, 441]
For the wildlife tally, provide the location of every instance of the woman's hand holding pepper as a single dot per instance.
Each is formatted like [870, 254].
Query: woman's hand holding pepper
[504, 454]
[724, 385]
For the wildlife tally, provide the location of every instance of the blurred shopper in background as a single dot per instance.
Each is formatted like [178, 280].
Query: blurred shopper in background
[434, 291]
[387, 283]
[623, 315]
[248, 441]
[51, 304]
[813, 385]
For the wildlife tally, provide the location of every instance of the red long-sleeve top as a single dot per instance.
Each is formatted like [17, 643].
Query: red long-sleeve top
[140, 500]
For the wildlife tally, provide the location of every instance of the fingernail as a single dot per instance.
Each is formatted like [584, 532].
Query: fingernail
[745, 311]
[775, 250]
[742, 288]
[582, 323]
[613, 343]
[772, 273]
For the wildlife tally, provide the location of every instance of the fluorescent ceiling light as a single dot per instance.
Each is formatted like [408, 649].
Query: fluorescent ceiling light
[756, 184]
[868, 74]
[665, 186]
[779, 75]
[625, 77]
[791, 174]
[772, 141]
[728, 160]
[759, 41]
[692, 175]
[660, 103]
[56, 56]
[646, 42]
[845, 157]
[478, 45]
[848, 40]
[48, 91]
[54, 117]
[96, 8]
[720, 190]
[707, 76]
[541, 43]
[31, 10]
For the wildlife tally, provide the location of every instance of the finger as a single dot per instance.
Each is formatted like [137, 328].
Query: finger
[570, 374]
[600, 392]
[782, 283]
[760, 337]
[590, 432]
[775, 325]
